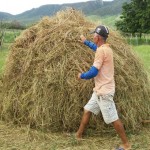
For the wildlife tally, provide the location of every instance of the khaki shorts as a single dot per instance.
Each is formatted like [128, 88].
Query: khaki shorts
[105, 104]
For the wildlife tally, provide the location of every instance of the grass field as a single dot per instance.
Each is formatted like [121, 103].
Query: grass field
[3, 55]
[143, 51]
[9, 38]
[23, 138]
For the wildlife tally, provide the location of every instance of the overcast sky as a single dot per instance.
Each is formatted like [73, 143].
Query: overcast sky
[19, 6]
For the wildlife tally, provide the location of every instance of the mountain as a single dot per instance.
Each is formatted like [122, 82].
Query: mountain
[113, 8]
[49, 10]
[95, 7]
[5, 16]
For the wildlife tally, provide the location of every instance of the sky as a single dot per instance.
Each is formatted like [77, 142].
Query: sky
[18, 6]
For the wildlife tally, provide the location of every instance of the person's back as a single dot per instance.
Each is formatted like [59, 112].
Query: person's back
[104, 81]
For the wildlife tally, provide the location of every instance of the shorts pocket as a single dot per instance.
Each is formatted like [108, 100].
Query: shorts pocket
[108, 111]
[107, 97]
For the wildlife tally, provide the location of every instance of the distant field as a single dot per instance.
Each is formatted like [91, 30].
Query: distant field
[10, 35]
[3, 55]
[143, 51]
[106, 20]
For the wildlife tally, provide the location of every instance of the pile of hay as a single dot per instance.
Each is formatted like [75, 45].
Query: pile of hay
[40, 85]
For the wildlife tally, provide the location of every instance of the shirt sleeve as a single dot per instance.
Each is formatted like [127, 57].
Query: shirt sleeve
[93, 71]
[91, 45]
[99, 58]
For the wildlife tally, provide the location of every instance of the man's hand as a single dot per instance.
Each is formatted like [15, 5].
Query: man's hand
[82, 37]
[79, 75]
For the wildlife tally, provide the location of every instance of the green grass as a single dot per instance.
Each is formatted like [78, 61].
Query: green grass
[143, 51]
[9, 38]
[3, 55]
[139, 41]
[10, 35]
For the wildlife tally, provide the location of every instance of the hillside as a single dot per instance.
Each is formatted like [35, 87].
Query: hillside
[114, 8]
[96, 7]
[5, 16]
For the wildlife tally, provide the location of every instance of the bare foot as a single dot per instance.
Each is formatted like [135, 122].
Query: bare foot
[78, 136]
[74, 135]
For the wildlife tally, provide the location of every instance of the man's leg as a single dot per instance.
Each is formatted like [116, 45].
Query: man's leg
[110, 115]
[121, 132]
[91, 107]
[85, 120]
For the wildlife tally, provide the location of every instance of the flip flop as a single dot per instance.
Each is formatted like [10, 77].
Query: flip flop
[120, 148]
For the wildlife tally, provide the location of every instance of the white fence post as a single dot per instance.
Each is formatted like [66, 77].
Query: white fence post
[136, 39]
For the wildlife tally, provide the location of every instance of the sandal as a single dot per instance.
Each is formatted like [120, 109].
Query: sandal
[119, 148]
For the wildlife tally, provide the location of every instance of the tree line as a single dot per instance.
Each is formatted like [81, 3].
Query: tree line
[11, 25]
[135, 17]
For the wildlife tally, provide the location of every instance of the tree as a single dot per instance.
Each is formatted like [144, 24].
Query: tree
[16, 25]
[11, 25]
[135, 17]
[1, 34]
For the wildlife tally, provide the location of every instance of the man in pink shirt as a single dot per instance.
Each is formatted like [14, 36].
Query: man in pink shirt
[102, 71]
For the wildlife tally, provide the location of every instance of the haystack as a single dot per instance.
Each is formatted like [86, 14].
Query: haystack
[40, 85]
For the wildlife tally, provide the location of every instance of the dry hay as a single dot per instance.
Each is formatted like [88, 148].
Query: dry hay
[40, 85]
